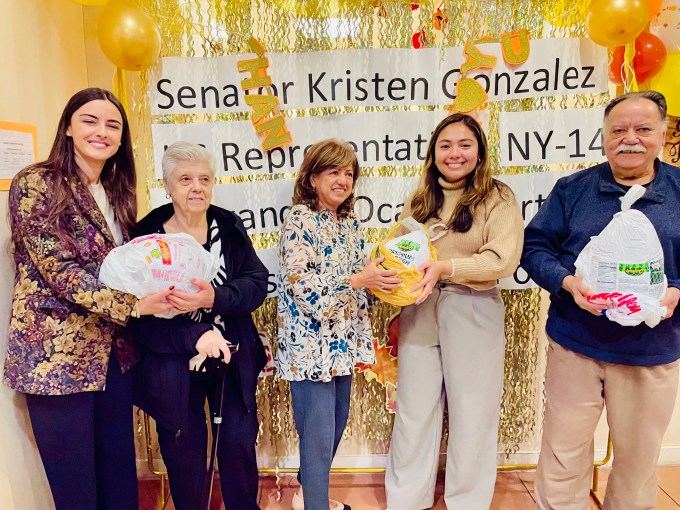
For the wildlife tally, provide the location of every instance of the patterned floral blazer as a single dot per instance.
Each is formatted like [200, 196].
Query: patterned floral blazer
[64, 322]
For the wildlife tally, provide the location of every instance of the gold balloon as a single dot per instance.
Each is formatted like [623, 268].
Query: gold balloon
[95, 3]
[128, 36]
[667, 82]
[616, 22]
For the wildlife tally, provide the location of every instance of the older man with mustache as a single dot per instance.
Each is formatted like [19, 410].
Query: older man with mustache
[593, 362]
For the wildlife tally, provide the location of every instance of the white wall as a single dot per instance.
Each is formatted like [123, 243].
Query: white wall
[43, 64]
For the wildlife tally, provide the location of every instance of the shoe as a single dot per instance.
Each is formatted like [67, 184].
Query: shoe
[299, 503]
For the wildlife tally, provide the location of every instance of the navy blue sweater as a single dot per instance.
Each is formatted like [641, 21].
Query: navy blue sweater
[578, 207]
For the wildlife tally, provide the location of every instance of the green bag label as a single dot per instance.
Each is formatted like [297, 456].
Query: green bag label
[634, 269]
[406, 245]
[656, 276]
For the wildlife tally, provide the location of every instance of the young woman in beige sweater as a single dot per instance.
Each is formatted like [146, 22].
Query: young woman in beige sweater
[451, 343]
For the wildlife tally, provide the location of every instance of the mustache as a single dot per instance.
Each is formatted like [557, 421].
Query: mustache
[630, 148]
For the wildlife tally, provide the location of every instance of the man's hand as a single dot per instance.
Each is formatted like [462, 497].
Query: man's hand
[574, 285]
[670, 300]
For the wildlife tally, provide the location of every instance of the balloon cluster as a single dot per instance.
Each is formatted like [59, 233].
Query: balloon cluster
[128, 36]
[622, 24]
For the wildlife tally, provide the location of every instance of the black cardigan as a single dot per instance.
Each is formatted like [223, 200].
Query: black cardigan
[168, 344]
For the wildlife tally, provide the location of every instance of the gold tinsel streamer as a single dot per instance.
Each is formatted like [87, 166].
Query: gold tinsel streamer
[671, 149]
[206, 28]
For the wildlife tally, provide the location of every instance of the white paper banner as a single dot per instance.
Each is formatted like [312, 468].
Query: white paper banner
[543, 137]
[380, 139]
[531, 191]
[377, 77]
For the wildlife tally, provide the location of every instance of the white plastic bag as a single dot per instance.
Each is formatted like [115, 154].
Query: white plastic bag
[624, 266]
[151, 263]
[411, 249]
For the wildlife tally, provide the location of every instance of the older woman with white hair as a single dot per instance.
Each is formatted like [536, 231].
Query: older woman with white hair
[183, 356]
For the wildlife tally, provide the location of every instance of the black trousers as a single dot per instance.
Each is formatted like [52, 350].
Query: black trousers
[185, 456]
[86, 443]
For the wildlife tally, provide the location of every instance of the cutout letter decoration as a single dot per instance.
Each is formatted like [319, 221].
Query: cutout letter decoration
[266, 115]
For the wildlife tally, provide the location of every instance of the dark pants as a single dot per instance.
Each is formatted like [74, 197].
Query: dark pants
[321, 410]
[185, 456]
[86, 443]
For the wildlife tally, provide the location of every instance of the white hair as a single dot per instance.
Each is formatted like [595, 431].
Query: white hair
[185, 151]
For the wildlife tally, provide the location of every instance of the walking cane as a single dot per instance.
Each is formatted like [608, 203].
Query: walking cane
[216, 422]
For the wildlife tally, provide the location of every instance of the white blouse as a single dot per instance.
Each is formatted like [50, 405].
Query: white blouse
[99, 193]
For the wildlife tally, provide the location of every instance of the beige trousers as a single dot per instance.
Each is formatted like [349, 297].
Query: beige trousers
[639, 402]
[452, 346]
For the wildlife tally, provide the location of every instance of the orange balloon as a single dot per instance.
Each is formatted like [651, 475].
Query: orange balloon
[128, 36]
[616, 22]
[650, 55]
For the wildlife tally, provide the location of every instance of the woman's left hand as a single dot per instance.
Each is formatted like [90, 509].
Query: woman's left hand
[190, 302]
[434, 270]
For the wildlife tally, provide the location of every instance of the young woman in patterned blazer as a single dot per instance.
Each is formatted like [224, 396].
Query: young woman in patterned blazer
[67, 351]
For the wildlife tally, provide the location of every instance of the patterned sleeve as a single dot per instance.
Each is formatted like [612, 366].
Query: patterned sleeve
[317, 290]
[361, 255]
[54, 258]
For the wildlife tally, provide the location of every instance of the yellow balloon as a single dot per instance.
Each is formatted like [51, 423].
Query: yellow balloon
[667, 82]
[128, 36]
[95, 3]
[616, 22]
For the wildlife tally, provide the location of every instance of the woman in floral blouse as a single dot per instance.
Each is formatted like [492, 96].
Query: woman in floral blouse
[324, 328]
[67, 351]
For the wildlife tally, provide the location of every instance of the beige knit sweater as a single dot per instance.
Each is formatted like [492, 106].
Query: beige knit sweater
[491, 248]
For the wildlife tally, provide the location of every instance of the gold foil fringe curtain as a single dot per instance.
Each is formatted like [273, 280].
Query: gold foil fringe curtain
[206, 28]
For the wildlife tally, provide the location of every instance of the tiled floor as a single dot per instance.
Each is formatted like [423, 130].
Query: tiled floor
[514, 491]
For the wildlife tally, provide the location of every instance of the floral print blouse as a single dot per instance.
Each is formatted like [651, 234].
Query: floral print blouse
[323, 324]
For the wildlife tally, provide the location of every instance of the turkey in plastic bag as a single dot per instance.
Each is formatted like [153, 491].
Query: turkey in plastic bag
[151, 263]
[624, 265]
[405, 247]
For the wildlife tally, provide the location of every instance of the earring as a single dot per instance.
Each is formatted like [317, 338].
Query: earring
[167, 195]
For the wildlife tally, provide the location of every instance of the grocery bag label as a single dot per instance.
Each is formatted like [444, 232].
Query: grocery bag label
[644, 278]
[634, 269]
[656, 272]
[164, 252]
[406, 245]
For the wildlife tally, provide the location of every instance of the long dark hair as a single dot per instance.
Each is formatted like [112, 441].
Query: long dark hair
[428, 200]
[118, 175]
[320, 156]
